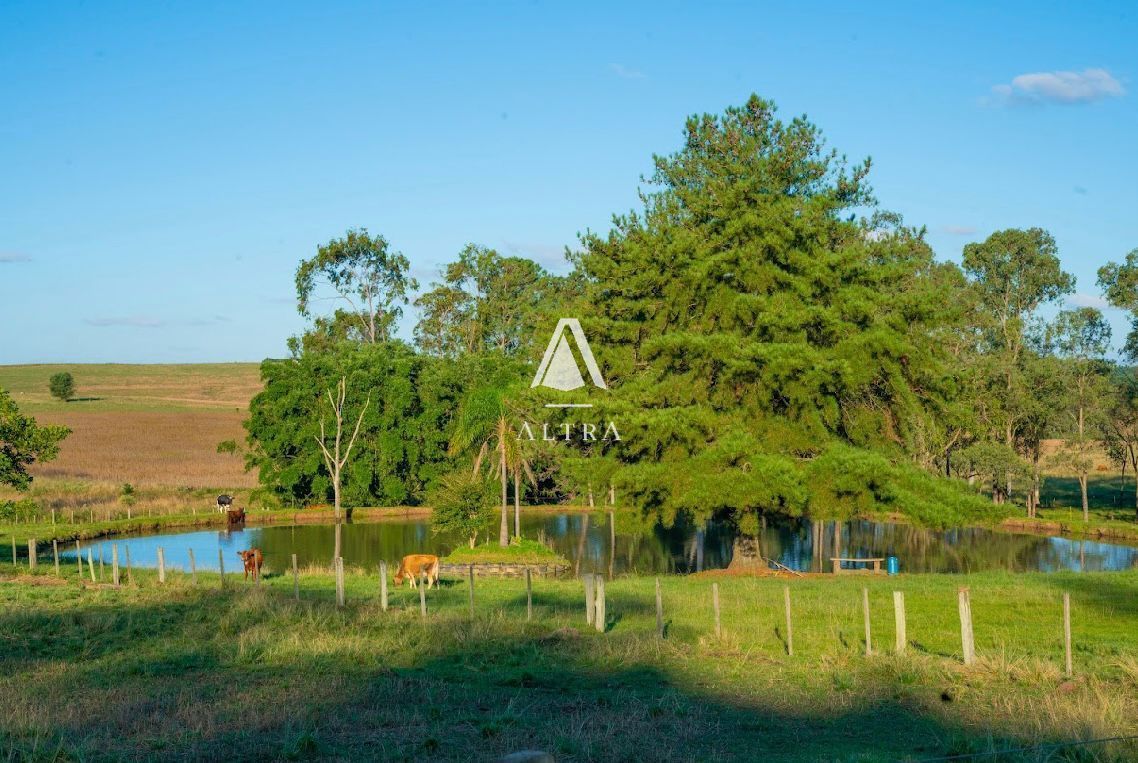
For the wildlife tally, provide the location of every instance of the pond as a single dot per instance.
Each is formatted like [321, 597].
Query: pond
[601, 543]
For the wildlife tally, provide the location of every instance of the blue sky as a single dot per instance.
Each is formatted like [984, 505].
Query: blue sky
[164, 166]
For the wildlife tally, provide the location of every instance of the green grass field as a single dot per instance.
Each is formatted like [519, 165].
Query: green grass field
[184, 671]
[123, 387]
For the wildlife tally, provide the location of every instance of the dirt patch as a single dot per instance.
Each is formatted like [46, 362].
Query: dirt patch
[46, 580]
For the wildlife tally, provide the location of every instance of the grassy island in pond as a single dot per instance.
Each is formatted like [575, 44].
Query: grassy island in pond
[520, 551]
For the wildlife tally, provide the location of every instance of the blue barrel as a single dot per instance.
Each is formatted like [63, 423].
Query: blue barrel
[892, 565]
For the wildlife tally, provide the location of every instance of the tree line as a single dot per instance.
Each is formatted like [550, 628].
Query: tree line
[773, 341]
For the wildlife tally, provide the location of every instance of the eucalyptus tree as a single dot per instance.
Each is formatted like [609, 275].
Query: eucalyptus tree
[1119, 283]
[1081, 338]
[1015, 272]
[1120, 428]
[363, 273]
[485, 302]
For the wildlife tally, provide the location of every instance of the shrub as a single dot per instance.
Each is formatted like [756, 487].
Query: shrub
[462, 504]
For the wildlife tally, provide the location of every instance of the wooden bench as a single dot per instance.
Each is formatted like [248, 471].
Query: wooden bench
[836, 561]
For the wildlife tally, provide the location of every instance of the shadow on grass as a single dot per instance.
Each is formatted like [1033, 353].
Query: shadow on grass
[247, 673]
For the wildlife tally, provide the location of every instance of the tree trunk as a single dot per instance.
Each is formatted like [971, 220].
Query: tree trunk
[504, 528]
[1082, 464]
[1121, 482]
[1083, 490]
[517, 503]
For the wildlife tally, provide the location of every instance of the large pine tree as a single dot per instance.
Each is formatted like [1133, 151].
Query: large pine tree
[765, 326]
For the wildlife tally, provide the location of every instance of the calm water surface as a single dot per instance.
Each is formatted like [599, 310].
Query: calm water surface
[597, 542]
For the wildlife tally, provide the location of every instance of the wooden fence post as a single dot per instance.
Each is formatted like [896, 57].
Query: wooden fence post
[590, 605]
[295, 580]
[193, 566]
[14, 548]
[1067, 634]
[55, 554]
[221, 566]
[129, 574]
[383, 586]
[789, 626]
[964, 604]
[600, 619]
[339, 581]
[899, 618]
[31, 553]
[161, 565]
[78, 557]
[423, 594]
[470, 587]
[865, 609]
[715, 606]
[100, 562]
[115, 565]
[91, 564]
[529, 596]
[659, 611]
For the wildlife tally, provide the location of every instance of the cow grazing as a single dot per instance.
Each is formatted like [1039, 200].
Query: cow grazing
[413, 565]
[253, 560]
[224, 503]
[235, 516]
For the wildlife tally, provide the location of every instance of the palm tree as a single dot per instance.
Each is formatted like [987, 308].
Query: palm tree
[484, 421]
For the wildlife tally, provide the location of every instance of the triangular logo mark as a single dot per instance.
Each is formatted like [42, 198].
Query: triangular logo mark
[558, 369]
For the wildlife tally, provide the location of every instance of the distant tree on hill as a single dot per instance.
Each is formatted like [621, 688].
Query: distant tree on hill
[23, 442]
[62, 385]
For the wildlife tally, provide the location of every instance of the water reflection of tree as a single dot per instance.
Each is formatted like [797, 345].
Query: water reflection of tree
[644, 545]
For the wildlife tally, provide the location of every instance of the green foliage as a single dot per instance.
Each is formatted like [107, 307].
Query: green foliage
[23, 510]
[486, 302]
[126, 494]
[1120, 284]
[759, 311]
[461, 504]
[23, 442]
[62, 385]
[402, 447]
[365, 274]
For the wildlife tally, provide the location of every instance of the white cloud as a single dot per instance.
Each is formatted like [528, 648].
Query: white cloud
[1086, 86]
[624, 72]
[959, 230]
[1089, 300]
[134, 321]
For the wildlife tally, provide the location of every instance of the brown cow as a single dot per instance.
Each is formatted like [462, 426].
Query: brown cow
[414, 565]
[235, 516]
[253, 560]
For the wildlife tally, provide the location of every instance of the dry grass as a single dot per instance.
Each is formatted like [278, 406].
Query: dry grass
[148, 425]
[149, 448]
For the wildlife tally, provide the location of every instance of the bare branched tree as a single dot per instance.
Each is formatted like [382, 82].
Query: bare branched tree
[336, 458]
